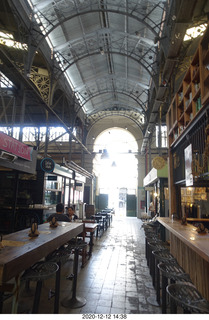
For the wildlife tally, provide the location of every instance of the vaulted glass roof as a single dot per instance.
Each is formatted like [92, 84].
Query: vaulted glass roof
[106, 48]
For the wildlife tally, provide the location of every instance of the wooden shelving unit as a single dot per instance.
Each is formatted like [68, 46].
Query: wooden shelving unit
[188, 108]
[193, 93]
[204, 65]
[187, 100]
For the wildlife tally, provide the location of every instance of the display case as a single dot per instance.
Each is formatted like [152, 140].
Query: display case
[194, 203]
[52, 189]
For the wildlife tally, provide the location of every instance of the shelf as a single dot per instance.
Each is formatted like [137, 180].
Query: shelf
[187, 90]
[197, 94]
[181, 104]
[196, 74]
[206, 58]
[181, 118]
[206, 80]
[189, 108]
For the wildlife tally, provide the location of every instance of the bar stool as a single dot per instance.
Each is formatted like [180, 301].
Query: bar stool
[6, 292]
[150, 235]
[186, 296]
[174, 272]
[161, 256]
[152, 246]
[75, 302]
[60, 256]
[39, 272]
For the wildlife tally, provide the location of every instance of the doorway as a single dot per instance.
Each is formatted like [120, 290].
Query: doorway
[116, 168]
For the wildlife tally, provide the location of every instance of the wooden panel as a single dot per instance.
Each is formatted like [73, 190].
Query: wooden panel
[192, 263]
[191, 250]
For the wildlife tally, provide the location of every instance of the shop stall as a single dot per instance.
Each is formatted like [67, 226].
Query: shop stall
[17, 166]
[156, 187]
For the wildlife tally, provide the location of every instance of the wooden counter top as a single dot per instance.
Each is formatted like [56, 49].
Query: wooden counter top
[188, 234]
[20, 251]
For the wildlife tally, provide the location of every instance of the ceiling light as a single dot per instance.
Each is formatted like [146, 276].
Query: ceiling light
[101, 50]
[114, 164]
[194, 32]
[105, 154]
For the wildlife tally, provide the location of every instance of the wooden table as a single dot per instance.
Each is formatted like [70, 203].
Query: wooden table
[20, 251]
[90, 227]
[191, 250]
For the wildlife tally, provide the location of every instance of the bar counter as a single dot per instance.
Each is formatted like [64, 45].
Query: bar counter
[191, 250]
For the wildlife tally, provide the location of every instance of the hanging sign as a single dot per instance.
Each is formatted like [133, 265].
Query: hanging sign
[158, 163]
[15, 147]
[47, 164]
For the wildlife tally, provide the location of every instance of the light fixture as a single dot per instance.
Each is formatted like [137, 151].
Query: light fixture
[105, 154]
[101, 50]
[113, 164]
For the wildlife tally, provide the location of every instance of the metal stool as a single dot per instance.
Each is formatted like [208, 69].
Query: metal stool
[39, 272]
[3, 295]
[149, 236]
[173, 272]
[60, 256]
[75, 302]
[154, 245]
[187, 297]
[161, 256]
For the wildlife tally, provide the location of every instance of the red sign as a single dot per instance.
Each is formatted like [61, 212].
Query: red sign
[15, 147]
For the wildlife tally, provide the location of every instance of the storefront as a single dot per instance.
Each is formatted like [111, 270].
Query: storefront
[156, 187]
[17, 167]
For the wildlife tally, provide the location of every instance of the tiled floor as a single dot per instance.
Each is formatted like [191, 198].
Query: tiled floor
[115, 280]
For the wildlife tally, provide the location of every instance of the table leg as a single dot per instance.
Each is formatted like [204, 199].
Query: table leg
[91, 243]
[16, 294]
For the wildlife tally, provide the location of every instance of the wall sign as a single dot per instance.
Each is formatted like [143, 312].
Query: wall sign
[14, 146]
[47, 164]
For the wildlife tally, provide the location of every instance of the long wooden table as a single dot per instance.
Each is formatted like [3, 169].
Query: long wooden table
[191, 250]
[20, 251]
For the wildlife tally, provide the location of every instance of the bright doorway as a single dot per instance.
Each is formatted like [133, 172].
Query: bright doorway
[115, 166]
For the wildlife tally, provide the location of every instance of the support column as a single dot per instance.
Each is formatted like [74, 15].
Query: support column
[22, 116]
